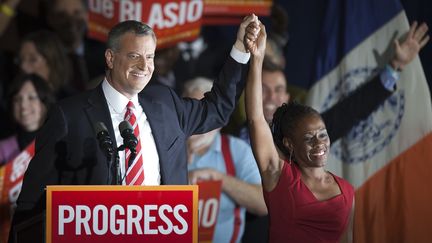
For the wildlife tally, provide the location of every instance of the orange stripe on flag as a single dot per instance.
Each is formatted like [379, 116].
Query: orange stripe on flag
[394, 205]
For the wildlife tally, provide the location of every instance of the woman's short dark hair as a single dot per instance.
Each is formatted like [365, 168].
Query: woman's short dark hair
[50, 47]
[43, 91]
[285, 120]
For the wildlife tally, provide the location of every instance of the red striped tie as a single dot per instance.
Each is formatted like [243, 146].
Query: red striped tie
[134, 173]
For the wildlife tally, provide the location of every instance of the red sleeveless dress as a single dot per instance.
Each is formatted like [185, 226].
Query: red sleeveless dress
[297, 216]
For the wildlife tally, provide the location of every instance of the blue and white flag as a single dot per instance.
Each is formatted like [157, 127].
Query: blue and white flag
[388, 156]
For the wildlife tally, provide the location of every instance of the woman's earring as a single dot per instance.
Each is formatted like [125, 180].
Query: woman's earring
[290, 157]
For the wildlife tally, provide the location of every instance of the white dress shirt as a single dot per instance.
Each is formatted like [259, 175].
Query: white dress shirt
[117, 107]
[239, 56]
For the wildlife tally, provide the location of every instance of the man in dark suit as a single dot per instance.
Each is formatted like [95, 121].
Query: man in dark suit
[67, 151]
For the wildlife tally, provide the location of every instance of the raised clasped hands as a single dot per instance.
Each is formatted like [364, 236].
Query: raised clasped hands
[248, 29]
[406, 51]
[255, 39]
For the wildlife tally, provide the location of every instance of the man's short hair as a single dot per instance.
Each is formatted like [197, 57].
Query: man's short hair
[128, 26]
[270, 66]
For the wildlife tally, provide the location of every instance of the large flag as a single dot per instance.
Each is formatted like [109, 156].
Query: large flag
[388, 156]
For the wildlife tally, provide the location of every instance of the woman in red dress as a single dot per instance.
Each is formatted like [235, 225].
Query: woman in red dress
[305, 202]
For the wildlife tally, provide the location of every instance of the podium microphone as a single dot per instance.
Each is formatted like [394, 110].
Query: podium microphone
[105, 142]
[129, 139]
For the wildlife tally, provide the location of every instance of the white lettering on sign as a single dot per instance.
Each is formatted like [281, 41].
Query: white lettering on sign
[104, 7]
[177, 215]
[166, 220]
[134, 213]
[172, 13]
[149, 219]
[208, 211]
[130, 10]
[14, 192]
[63, 219]
[82, 218]
[132, 219]
[100, 214]
[117, 226]
[19, 165]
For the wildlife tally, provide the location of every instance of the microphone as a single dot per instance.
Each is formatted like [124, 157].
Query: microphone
[129, 139]
[104, 138]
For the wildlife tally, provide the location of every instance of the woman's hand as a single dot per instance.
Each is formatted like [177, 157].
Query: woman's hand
[255, 39]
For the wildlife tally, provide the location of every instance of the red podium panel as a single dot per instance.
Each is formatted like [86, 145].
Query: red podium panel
[122, 213]
[208, 204]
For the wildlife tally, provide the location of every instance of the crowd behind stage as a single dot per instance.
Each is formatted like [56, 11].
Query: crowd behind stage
[47, 57]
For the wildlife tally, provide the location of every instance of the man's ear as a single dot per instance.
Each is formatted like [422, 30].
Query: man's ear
[109, 58]
[288, 144]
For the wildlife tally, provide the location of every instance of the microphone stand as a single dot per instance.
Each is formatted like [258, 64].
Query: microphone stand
[112, 154]
[118, 176]
[116, 162]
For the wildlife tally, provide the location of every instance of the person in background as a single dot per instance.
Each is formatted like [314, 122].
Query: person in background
[42, 53]
[69, 19]
[7, 12]
[29, 100]
[211, 155]
[165, 73]
[17, 19]
[359, 104]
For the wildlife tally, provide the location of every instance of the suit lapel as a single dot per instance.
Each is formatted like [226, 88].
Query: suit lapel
[98, 111]
[153, 111]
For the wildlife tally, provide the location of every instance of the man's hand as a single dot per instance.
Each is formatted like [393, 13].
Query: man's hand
[244, 31]
[255, 39]
[406, 51]
[205, 174]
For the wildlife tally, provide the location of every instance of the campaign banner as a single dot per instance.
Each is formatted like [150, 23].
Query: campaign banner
[208, 205]
[11, 177]
[239, 8]
[122, 213]
[172, 20]
[228, 12]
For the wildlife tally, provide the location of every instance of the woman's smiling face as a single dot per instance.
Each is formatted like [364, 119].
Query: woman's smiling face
[311, 142]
